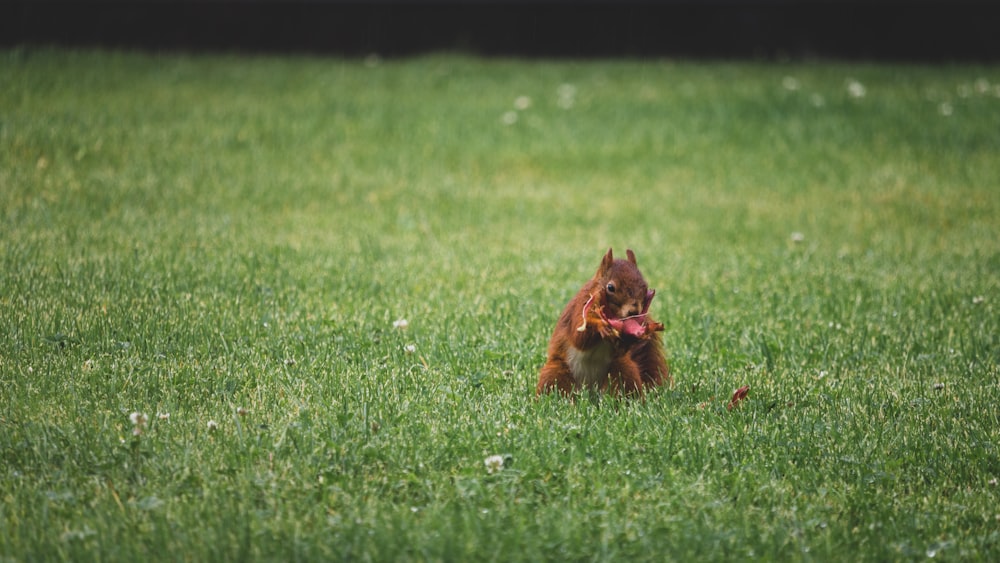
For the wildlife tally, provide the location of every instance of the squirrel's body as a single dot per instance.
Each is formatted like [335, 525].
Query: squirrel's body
[605, 339]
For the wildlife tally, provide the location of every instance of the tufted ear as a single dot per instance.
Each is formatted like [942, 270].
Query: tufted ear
[606, 263]
[631, 257]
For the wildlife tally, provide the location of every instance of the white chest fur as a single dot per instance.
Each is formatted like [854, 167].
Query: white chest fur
[589, 367]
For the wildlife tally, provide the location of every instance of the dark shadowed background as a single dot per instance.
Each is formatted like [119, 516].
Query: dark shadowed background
[882, 29]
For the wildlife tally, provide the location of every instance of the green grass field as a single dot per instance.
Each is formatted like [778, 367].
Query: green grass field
[224, 244]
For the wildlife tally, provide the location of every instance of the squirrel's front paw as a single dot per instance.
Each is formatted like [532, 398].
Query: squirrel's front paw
[609, 329]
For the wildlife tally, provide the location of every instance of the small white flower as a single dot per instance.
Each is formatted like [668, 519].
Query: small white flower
[790, 83]
[494, 463]
[797, 237]
[856, 89]
[982, 85]
[978, 300]
[567, 96]
[410, 348]
[400, 324]
[522, 103]
[946, 109]
[817, 100]
[163, 415]
[289, 362]
[138, 421]
[509, 118]
[213, 426]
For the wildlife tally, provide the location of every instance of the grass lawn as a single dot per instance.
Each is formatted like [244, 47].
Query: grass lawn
[225, 244]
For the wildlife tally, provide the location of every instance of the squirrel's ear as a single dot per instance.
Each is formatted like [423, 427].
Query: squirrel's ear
[631, 256]
[606, 263]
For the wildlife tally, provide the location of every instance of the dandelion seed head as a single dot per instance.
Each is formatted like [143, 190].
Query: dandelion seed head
[946, 109]
[509, 118]
[790, 83]
[797, 237]
[522, 103]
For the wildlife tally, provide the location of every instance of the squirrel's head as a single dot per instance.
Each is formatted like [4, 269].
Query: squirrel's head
[625, 291]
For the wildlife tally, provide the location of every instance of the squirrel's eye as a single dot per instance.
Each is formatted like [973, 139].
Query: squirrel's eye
[611, 287]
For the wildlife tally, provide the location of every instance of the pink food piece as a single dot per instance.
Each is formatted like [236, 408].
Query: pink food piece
[633, 327]
[617, 324]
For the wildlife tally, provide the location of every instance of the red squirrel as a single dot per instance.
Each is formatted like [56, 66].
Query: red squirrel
[605, 339]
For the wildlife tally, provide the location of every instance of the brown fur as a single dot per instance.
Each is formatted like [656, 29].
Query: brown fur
[587, 349]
